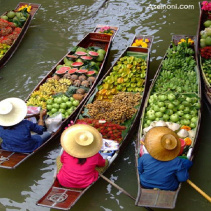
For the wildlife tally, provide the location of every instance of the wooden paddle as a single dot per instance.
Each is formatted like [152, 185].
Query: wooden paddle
[121, 189]
[199, 190]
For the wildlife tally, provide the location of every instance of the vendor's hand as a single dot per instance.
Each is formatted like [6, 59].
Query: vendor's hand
[43, 112]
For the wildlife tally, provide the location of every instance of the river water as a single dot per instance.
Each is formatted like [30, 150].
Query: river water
[61, 24]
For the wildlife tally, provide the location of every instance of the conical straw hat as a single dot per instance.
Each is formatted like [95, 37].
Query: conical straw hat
[81, 141]
[12, 111]
[162, 143]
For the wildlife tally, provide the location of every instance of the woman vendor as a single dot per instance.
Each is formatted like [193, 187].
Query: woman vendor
[81, 144]
[161, 167]
[15, 131]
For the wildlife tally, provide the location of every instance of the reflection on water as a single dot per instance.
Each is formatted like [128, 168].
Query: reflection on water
[59, 25]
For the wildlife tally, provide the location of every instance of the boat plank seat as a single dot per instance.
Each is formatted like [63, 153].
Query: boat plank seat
[157, 198]
[10, 159]
[61, 197]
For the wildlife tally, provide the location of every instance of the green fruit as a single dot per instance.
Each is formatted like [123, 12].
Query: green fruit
[202, 43]
[100, 57]
[4, 17]
[208, 41]
[11, 14]
[101, 51]
[207, 23]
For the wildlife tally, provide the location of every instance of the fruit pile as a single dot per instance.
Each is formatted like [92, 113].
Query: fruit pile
[128, 75]
[3, 49]
[63, 104]
[73, 78]
[109, 130]
[141, 43]
[121, 108]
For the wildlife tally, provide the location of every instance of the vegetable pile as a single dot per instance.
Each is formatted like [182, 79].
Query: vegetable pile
[10, 28]
[205, 46]
[174, 96]
[71, 81]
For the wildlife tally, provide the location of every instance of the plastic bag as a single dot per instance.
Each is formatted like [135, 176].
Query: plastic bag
[53, 123]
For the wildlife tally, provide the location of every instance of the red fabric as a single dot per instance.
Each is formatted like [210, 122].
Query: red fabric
[74, 175]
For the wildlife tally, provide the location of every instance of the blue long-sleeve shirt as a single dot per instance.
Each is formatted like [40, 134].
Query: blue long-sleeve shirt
[19, 138]
[165, 175]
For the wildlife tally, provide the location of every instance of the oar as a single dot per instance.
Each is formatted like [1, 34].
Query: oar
[121, 189]
[199, 190]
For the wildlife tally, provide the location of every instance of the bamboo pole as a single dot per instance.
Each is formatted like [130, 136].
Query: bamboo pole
[199, 190]
[121, 189]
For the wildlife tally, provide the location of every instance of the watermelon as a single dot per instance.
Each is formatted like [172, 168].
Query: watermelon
[72, 57]
[91, 73]
[81, 53]
[62, 70]
[88, 58]
[73, 70]
[81, 71]
[93, 53]
[77, 64]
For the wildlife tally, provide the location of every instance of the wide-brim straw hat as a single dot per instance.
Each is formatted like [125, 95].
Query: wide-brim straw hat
[12, 111]
[81, 141]
[162, 143]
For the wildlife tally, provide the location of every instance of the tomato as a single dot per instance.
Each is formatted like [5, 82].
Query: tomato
[186, 121]
[170, 106]
[65, 98]
[162, 97]
[159, 114]
[169, 111]
[58, 100]
[186, 110]
[166, 117]
[174, 117]
[62, 110]
[181, 107]
[162, 109]
[180, 113]
[171, 97]
[151, 116]
[192, 125]
[187, 116]
[194, 119]
[49, 107]
[161, 104]
[156, 108]
[176, 102]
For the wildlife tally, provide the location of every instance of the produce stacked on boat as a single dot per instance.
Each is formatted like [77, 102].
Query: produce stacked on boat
[10, 27]
[71, 81]
[205, 44]
[117, 98]
[174, 100]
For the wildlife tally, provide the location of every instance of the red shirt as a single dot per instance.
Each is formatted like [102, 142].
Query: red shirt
[74, 175]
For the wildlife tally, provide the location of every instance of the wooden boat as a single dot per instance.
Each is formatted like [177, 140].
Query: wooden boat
[64, 198]
[162, 198]
[205, 82]
[25, 27]
[11, 160]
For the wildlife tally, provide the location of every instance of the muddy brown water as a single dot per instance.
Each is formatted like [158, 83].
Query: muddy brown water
[59, 25]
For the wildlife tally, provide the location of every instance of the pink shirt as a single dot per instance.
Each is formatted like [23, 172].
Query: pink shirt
[75, 175]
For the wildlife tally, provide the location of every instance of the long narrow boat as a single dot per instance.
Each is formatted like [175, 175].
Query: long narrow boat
[132, 64]
[173, 100]
[92, 40]
[204, 61]
[17, 41]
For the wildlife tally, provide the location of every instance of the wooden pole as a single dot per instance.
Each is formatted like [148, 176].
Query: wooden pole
[121, 189]
[199, 190]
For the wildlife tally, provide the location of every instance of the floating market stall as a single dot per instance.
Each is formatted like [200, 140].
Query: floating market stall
[174, 101]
